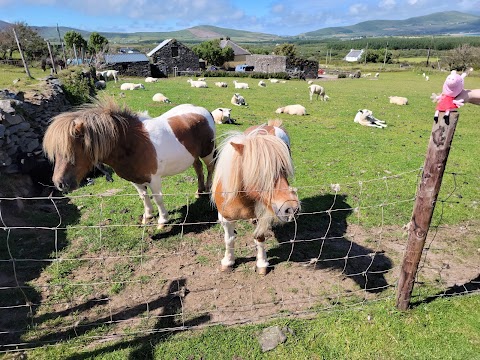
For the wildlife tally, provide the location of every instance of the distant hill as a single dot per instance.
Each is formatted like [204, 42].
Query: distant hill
[442, 23]
[3, 24]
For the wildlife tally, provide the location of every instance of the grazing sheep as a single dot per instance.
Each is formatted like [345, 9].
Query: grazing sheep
[131, 86]
[222, 116]
[274, 81]
[310, 82]
[319, 90]
[150, 79]
[238, 100]
[377, 75]
[261, 83]
[365, 117]
[398, 100]
[292, 110]
[110, 74]
[100, 84]
[160, 98]
[240, 85]
[197, 84]
[221, 84]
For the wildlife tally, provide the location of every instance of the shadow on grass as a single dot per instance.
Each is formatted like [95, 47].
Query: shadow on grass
[169, 322]
[321, 242]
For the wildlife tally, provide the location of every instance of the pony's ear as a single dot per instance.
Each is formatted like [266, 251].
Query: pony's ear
[238, 147]
[78, 128]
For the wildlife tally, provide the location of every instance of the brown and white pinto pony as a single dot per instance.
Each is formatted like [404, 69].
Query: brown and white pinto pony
[251, 182]
[139, 149]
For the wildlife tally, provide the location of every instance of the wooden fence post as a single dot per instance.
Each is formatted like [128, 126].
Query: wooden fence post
[54, 67]
[21, 54]
[426, 198]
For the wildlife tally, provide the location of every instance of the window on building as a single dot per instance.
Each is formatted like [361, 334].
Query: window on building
[174, 51]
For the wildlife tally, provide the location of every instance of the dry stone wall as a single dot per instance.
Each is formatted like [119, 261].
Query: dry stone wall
[24, 117]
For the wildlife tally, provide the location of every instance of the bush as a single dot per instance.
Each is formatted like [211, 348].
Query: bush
[78, 84]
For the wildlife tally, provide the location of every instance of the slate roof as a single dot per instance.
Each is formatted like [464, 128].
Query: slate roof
[237, 50]
[125, 58]
[159, 46]
[354, 54]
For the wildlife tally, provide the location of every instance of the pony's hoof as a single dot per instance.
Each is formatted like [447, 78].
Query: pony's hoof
[160, 226]
[262, 271]
[226, 269]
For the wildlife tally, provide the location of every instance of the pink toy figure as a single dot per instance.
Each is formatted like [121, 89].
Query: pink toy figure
[452, 86]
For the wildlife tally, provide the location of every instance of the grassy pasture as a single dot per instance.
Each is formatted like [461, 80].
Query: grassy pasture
[377, 170]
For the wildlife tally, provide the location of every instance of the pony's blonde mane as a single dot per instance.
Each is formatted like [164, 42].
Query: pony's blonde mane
[103, 122]
[265, 158]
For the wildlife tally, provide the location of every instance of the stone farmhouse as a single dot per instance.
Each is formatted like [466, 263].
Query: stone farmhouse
[170, 57]
[133, 64]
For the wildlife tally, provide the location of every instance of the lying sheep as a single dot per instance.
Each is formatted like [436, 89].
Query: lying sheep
[292, 110]
[319, 90]
[240, 85]
[150, 79]
[365, 117]
[197, 84]
[222, 116]
[221, 84]
[160, 98]
[100, 84]
[398, 100]
[310, 82]
[377, 75]
[131, 86]
[261, 83]
[238, 100]
[274, 81]
[201, 79]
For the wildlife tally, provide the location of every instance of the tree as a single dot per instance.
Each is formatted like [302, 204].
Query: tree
[286, 50]
[32, 44]
[463, 57]
[97, 42]
[212, 53]
[74, 38]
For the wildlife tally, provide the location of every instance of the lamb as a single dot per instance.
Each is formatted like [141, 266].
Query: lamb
[292, 110]
[150, 79]
[160, 98]
[197, 84]
[221, 84]
[222, 116]
[398, 100]
[240, 85]
[261, 83]
[100, 84]
[319, 90]
[238, 100]
[110, 74]
[365, 117]
[131, 86]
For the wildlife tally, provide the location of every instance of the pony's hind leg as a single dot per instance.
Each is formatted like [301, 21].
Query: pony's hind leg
[197, 165]
[210, 164]
[229, 259]
[156, 187]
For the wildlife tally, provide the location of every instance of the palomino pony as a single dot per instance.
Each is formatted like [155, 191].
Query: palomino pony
[140, 149]
[251, 182]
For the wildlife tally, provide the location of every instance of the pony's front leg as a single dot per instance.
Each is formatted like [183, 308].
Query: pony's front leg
[147, 204]
[229, 259]
[262, 263]
[156, 187]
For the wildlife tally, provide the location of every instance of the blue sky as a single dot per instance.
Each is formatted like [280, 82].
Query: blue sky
[280, 17]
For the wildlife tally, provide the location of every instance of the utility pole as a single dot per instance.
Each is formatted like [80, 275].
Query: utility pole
[21, 54]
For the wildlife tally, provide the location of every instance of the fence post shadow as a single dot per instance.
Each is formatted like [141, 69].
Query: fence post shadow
[321, 239]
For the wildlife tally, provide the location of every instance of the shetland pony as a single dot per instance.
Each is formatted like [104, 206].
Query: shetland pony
[138, 148]
[250, 182]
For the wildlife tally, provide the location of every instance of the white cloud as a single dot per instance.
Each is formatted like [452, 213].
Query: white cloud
[387, 4]
[357, 9]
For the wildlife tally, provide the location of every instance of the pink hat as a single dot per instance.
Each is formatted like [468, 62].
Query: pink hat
[453, 85]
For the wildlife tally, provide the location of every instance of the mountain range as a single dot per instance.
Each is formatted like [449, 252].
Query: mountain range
[442, 23]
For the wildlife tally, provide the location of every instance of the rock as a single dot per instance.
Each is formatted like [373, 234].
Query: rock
[271, 337]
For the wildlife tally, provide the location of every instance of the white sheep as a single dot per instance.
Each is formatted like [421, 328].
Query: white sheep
[131, 86]
[201, 79]
[319, 90]
[150, 79]
[377, 75]
[100, 84]
[221, 84]
[222, 116]
[398, 100]
[160, 98]
[310, 82]
[292, 110]
[110, 74]
[238, 100]
[274, 81]
[427, 78]
[261, 83]
[197, 84]
[365, 117]
[239, 85]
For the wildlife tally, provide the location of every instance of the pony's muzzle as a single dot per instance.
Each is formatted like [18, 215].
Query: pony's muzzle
[288, 211]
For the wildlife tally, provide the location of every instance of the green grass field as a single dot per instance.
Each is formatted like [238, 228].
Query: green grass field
[106, 254]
